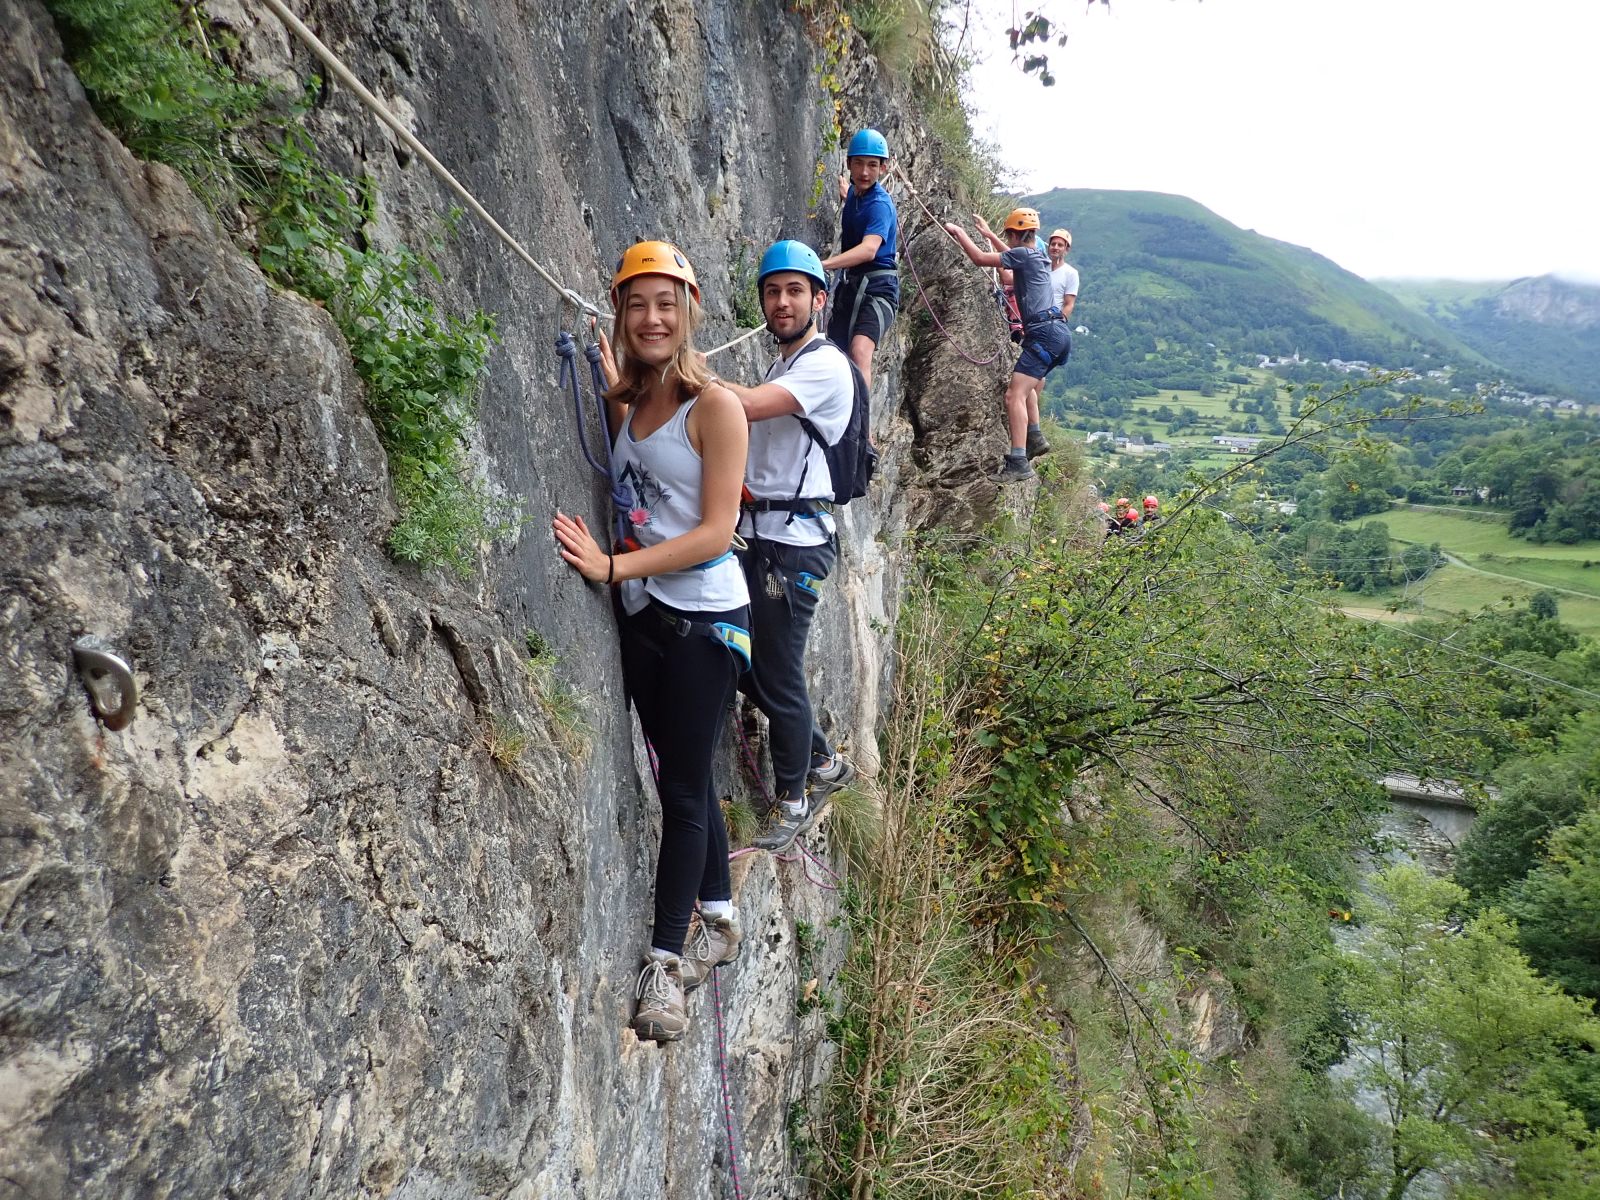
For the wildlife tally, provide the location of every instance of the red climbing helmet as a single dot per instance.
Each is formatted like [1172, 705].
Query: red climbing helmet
[1151, 504]
[653, 258]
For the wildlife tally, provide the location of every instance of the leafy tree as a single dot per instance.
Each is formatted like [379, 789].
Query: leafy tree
[1557, 907]
[1538, 796]
[1458, 1037]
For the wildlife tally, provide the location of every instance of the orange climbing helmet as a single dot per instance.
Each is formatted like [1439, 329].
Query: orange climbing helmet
[654, 258]
[1103, 507]
[1023, 220]
[1123, 502]
[1151, 504]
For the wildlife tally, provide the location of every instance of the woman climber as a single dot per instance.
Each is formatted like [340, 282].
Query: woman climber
[685, 617]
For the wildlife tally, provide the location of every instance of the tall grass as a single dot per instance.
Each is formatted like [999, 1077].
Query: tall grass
[948, 1082]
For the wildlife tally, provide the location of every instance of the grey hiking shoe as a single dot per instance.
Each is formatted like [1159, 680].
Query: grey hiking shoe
[1014, 469]
[1037, 444]
[661, 1016]
[712, 942]
[782, 828]
[824, 781]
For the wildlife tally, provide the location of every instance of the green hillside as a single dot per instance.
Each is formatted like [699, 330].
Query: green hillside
[1173, 295]
[1542, 329]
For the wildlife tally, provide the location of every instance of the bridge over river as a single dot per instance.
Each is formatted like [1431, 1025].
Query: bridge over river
[1446, 805]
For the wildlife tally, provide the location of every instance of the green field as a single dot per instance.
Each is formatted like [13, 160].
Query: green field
[1214, 419]
[1495, 568]
[1473, 532]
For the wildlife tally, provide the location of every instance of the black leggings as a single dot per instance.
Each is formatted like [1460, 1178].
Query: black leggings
[681, 687]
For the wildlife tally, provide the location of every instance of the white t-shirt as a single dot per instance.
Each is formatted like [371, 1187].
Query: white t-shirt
[819, 379]
[1063, 283]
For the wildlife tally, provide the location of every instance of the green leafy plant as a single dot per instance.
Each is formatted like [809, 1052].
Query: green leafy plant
[154, 72]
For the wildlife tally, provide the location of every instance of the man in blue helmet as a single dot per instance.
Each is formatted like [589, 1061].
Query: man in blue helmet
[788, 532]
[864, 304]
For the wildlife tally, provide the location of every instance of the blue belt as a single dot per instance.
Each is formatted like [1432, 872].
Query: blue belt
[712, 562]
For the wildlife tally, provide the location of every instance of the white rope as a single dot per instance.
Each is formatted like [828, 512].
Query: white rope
[743, 337]
[381, 111]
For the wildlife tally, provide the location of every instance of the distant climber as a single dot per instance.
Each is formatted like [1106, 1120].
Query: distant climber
[1046, 341]
[791, 542]
[864, 304]
[1126, 515]
[685, 611]
[1152, 509]
[1112, 528]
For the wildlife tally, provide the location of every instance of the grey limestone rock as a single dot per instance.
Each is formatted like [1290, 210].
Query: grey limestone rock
[295, 931]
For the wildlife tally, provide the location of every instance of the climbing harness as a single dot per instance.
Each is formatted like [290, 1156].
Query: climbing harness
[735, 637]
[380, 110]
[862, 284]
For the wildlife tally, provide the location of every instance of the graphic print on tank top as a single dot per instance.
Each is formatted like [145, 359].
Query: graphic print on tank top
[647, 494]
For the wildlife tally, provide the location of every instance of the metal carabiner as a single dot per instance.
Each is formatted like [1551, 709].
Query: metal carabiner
[113, 693]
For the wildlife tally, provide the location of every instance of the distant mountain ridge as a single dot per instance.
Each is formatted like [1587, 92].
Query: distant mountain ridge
[1543, 328]
[1234, 283]
[1168, 286]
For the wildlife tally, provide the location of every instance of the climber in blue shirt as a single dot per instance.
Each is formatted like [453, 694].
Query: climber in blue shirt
[864, 303]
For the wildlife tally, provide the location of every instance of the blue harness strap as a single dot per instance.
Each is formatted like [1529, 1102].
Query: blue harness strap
[735, 637]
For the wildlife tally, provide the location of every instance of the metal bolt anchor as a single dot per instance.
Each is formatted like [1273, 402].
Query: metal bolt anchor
[109, 681]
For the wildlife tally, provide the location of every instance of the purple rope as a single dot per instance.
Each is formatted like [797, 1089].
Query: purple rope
[727, 1091]
[922, 294]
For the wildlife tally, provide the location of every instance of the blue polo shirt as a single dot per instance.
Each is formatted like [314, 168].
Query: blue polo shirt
[872, 212]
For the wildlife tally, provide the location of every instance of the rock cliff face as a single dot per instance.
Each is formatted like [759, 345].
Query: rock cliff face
[1548, 300]
[295, 931]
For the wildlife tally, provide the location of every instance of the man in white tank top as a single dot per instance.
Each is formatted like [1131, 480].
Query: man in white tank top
[790, 533]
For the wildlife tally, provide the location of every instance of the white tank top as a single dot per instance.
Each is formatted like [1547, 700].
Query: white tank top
[661, 476]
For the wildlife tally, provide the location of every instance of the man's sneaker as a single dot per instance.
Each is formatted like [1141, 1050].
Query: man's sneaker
[712, 942]
[1037, 444]
[661, 1016]
[1014, 469]
[826, 780]
[783, 827]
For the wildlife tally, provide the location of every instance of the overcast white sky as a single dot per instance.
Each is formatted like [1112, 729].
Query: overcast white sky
[1424, 138]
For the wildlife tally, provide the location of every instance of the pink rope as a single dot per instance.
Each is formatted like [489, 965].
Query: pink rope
[814, 860]
[751, 766]
[727, 1091]
[922, 294]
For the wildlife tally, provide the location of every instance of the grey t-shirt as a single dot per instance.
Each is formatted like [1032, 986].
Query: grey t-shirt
[1030, 277]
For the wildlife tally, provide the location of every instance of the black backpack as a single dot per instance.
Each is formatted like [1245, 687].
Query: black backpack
[853, 459]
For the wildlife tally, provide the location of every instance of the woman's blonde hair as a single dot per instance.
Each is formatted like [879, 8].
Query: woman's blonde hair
[687, 363]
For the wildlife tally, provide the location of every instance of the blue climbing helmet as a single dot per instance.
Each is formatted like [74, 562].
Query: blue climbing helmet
[792, 256]
[869, 143]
